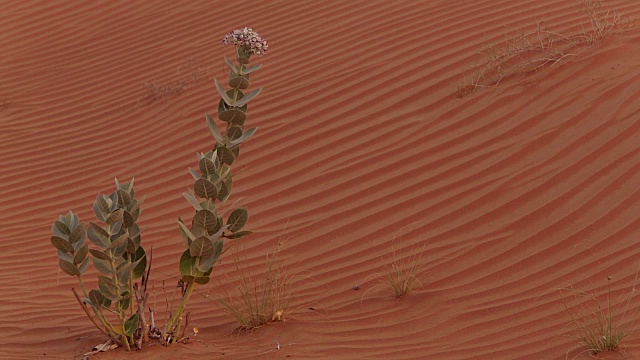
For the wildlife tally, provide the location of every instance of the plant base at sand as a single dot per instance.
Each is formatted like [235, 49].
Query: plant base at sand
[601, 326]
[256, 301]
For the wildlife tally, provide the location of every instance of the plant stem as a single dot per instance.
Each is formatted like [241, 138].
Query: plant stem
[178, 313]
[125, 338]
[98, 313]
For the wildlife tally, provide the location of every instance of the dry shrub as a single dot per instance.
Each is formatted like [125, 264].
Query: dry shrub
[401, 273]
[533, 50]
[601, 327]
[605, 19]
[259, 300]
[401, 269]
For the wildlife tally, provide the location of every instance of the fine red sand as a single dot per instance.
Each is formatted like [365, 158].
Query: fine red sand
[513, 192]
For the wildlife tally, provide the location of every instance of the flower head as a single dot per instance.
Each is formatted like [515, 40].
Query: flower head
[247, 38]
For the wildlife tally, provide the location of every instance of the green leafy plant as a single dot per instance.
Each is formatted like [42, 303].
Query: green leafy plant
[205, 237]
[601, 327]
[117, 307]
[119, 258]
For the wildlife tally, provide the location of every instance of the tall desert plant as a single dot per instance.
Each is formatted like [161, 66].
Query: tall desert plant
[205, 237]
[119, 258]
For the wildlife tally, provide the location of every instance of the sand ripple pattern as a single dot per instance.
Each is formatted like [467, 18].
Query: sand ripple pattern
[514, 192]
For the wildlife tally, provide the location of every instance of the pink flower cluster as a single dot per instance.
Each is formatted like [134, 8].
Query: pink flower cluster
[248, 38]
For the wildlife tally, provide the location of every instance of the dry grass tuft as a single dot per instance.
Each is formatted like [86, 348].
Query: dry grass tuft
[402, 269]
[601, 327]
[259, 301]
[401, 274]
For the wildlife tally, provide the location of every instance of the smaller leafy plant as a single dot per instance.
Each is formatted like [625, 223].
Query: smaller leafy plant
[597, 326]
[117, 306]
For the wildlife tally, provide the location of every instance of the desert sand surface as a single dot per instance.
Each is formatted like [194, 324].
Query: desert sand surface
[511, 192]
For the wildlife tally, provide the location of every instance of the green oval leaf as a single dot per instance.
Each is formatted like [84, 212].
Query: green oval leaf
[114, 219]
[103, 266]
[206, 263]
[225, 155]
[235, 116]
[127, 219]
[237, 219]
[81, 254]
[61, 229]
[119, 241]
[238, 81]
[107, 287]
[187, 263]
[201, 247]
[101, 207]
[225, 189]
[64, 256]
[98, 236]
[123, 273]
[69, 267]
[96, 298]
[99, 254]
[205, 219]
[205, 189]
[207, 166]
[62, 244]
[139, 263]
[78, 233]
[124, 198]
[131, 324]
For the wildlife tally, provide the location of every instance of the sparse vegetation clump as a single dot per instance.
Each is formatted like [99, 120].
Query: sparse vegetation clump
[529, 51]
[401, 270]
[256, 301]
[601, 327]
[118, 306]
[401, 276]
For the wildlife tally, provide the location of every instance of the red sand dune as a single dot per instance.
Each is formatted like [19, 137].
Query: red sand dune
[514, 191]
